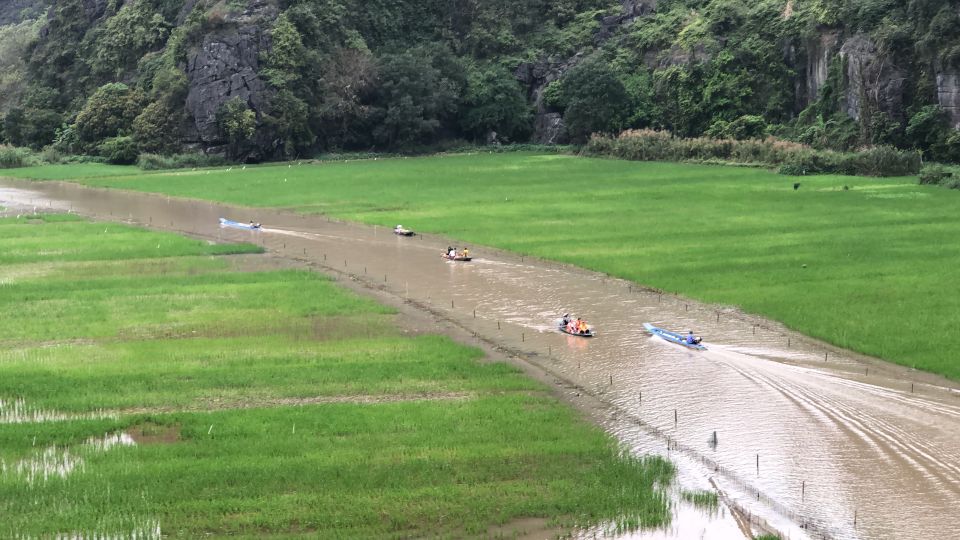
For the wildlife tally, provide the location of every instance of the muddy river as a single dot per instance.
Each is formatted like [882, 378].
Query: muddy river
[812, 441]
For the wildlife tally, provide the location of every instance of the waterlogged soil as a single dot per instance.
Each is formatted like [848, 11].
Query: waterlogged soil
[795, 436]
[146, 434]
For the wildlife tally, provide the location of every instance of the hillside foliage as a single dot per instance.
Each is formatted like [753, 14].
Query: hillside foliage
[388, 75]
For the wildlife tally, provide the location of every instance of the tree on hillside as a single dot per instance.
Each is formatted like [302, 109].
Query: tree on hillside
[593, 99]
[157, 128]
[237, 123]
[109, 112]
[347, 88]
[285, 64]
[494, 102]
[413, 98]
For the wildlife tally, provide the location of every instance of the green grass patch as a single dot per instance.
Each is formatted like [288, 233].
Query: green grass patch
[139, 391]
[70, 171]
[701, 499]
[392, 470]
[859, 262]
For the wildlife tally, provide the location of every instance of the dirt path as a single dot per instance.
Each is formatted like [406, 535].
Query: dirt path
[815, 441]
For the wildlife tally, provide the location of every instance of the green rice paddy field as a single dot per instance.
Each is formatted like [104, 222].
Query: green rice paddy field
[865, 263]
[150, 381]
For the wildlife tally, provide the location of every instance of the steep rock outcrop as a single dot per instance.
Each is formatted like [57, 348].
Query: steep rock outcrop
[948, 95]
[630, 10]
[548, 126]
[226, 65]
[873, 81]
[820, 51]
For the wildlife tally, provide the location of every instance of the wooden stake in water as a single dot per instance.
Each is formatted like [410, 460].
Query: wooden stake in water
[803, 490]
[674, 418]
[758, 468]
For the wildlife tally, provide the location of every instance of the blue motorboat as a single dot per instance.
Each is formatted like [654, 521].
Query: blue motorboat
[672, 337]
[238, 225]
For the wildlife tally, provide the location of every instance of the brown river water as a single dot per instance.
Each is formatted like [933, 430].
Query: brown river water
[804, 438]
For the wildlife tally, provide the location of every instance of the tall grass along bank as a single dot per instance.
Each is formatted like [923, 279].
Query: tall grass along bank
[791, 158]
[151, 394]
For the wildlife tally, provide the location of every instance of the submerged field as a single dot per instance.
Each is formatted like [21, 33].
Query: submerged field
[149, 384]
[864, 263]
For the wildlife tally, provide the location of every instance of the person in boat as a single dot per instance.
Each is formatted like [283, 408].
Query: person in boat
[565, 320]
[466, 253]
[692, 339]
[399, 229]
[452, 253]
[581, 326]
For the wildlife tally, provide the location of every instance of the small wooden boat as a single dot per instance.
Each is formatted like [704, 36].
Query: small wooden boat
[672, 337]
[561, 326]
[400, 231]
[456, 257]
[238, 225]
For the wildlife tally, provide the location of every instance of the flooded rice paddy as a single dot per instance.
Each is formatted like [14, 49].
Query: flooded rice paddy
[811, 441]
[55, 462]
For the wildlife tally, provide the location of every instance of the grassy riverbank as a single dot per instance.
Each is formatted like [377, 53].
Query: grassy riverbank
[860, 262]
[145, 386]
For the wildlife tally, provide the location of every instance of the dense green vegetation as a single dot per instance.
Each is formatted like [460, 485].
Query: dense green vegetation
[788, 157]
[112, 79]
[858, 262]
[146, 388]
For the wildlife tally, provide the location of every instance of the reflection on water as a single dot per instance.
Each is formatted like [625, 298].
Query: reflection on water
[815, 441]
[17, 411]
[56, 462]
[147, 530]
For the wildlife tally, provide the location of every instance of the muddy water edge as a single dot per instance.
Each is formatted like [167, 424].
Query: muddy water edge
[796, 436]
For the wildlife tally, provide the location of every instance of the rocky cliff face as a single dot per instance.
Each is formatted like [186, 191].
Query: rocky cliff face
[948, 94]
[225, 66]
[873, 81]
[548, 127]
[820, 51]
